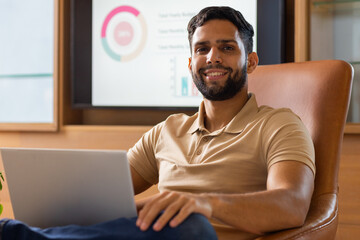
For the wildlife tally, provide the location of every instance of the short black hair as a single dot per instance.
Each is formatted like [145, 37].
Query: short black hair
[223, 13]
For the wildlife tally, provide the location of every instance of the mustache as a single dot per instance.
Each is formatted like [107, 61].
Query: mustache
[217, 66]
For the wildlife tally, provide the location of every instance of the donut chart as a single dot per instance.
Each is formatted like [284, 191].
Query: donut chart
[123, 34]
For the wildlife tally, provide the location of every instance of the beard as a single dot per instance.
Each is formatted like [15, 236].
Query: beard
[233, 84]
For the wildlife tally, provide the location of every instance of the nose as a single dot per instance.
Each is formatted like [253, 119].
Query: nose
[213, 56]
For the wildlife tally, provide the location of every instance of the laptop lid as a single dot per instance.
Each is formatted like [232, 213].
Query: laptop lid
[55, 187]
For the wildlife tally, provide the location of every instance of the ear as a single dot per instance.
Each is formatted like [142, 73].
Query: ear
[253, 61]
[189, 65]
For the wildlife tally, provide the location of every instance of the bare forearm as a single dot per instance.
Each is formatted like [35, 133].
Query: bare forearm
[261, 211]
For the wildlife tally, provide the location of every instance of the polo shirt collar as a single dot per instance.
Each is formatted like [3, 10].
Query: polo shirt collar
[198, 124]
[237, 124]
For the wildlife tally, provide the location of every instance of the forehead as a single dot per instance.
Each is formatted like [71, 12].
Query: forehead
[215, 30]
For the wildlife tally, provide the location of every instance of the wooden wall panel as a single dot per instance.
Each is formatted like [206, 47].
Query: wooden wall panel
[349, 189]
[81, 137]
[348, 232]
[301, 46]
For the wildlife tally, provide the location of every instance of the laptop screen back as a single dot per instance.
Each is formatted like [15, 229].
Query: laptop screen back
[51, 187]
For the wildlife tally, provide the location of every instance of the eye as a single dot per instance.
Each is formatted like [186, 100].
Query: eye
[228, 48]
[201, 50]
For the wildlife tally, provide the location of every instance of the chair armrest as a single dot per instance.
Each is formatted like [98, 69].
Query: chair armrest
[321, 221]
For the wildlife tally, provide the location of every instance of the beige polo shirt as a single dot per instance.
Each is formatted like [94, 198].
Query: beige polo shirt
[179, 154]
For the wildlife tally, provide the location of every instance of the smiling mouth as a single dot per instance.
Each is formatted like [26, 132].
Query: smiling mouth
[214, 74]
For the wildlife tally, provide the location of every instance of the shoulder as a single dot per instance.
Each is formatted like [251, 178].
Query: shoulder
[281, 124]
[180, 118]
[278, 117]
[180, 123]
[285, 137]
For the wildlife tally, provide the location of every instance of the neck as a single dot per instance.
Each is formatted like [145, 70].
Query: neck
[219, 113]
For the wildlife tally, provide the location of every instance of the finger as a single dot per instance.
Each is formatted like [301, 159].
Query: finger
[184, 213]
[139, 206]
[170, 205]
[146, 216]
[168, 214]
[151, 210]
[141, 203]
[143, 208]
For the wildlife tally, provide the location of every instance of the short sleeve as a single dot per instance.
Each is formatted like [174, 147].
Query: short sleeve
[142, 155]
[285, 138]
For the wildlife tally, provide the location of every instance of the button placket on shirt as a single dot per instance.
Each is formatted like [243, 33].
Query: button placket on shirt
[199, 150]
[196, 156]
[200, 146]
[203, 139]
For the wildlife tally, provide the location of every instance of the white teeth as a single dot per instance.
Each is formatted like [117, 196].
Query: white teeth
[214, 74]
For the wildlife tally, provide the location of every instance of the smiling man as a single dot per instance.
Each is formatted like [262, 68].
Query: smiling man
[244, 168]
[248, 169]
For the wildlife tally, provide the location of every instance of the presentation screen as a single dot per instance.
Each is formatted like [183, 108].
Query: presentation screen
[140, 51]
[135, 53]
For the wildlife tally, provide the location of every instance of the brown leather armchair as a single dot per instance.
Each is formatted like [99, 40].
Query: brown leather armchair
[319, 92]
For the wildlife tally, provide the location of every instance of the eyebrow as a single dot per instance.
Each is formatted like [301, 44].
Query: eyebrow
[217, 41]
[226, 41]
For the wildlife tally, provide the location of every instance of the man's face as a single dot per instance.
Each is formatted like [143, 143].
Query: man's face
[218, 60]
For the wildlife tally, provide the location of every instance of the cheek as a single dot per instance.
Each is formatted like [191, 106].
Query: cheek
[194, 67]
[240, 63]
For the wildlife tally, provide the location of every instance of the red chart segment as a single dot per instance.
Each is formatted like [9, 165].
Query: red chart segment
[123, 33]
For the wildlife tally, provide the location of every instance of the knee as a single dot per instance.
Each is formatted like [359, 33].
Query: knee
[196, 226]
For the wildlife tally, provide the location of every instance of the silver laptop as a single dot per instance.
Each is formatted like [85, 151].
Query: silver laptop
[52, 187]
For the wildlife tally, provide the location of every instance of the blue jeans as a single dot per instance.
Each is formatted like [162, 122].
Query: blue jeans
[196, 226]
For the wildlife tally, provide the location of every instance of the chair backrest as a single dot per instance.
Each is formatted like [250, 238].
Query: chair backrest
[318, 92]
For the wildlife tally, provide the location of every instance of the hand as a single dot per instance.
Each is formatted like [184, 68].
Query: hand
[176, 208]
